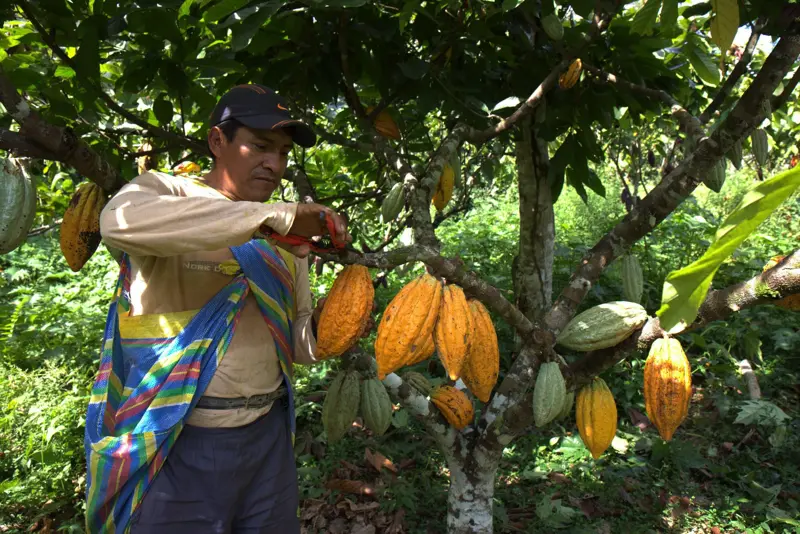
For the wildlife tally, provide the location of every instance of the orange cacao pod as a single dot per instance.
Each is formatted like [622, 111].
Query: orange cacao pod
[454, 405]
[80, 227]
[453, 331]
[423, 351]
[384, 124]
[571, 76]
[667, 385]
[792, 302]
[408, 321]
[346, 312]
[444, 189]
[482, 364]
[596, 416]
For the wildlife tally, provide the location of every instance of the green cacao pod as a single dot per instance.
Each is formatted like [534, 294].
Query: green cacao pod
[418, 382]
[376, 406]
[393, 203]
[17, 204]
[341, 405]
[715, 178]
[758, 140]
[766, 108]
[632, 280]
[566, 408]
[735, 155]
[553, 27]
[548, 393]
[602, 326]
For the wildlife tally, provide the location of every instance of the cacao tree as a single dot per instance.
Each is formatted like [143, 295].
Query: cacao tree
[417, 106]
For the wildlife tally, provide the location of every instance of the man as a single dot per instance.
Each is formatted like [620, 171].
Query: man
[191, 420]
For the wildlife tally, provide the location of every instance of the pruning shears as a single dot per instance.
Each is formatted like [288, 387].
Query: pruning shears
[327, 244]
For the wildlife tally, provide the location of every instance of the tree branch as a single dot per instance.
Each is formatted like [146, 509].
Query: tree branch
[779, 101]
[62, 143]
[194, 144]
[734, 77]
[21, 147]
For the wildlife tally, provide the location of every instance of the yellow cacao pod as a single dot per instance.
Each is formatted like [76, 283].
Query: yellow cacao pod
[482, 364]
[667, 385]
[571, 76]
[596, 416]
[384, 124]
[423, 351]
[602, 326]
[409, 320]
[454, 405]
[186, 168]
[346, 312]
[453, 331]
[792, 302]
[444, 190]
[80, 228]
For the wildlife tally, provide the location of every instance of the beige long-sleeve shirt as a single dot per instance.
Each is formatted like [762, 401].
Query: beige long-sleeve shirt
[177, 232]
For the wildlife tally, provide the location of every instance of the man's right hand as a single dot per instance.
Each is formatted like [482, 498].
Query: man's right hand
[309, 223]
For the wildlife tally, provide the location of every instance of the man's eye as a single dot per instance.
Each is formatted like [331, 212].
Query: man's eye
[260, 146]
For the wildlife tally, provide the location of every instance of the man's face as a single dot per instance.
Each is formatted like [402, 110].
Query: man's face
[255, 161]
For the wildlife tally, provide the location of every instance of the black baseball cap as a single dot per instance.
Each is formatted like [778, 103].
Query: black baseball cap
[258, 106]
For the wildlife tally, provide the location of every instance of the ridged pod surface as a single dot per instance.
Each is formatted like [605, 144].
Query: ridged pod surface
[715, 178]
[444, 189]
[632, 279]
[408, 320]
[340, 407]
[418, 382]
[453, 331]
[553, 27]
[17, 204]
[549, 392]
[376, 406]
[760, 144]
[571, 76]
[482, 365]
[346, 311]
[80, 228]
[667, 385]
[566, 408]
[596, 416]
[602, 326]
[393, 203]
[423, 351]
[454, 405]
[735, 154]
[384, 124]
[792, 302]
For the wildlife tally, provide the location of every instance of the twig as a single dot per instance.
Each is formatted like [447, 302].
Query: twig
[779, 101]
[44, 229]
[750, 379]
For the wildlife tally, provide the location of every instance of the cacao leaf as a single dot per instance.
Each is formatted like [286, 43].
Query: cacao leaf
[725, 23]
[223, 9]
[645, 19]
[163, 110]
[703, 65]
[685, 289]
[669, 14]
[510, 102]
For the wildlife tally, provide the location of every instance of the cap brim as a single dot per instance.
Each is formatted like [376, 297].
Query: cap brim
[299, 131]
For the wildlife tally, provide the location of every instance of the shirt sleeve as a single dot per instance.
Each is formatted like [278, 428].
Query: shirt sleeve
[147, 217]
[305, 343]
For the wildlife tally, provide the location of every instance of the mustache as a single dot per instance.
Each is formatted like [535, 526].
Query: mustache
[266, 176]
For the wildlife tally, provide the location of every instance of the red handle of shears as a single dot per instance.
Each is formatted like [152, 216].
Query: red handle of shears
[295, 240]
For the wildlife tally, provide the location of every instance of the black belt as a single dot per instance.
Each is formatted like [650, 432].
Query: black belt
[255, 402]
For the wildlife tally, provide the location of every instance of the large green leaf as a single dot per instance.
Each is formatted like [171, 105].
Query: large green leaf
[703, 65]
[725, 23]
[669, 14]
[224, 8]
[645, 19]
[685, 289]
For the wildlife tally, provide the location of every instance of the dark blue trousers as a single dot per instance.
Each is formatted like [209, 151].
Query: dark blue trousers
[226, 481]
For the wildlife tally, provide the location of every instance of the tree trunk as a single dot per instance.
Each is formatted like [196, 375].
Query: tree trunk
[469, 503]
[533, 280]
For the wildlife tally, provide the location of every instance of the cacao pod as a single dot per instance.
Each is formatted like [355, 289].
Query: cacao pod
[548, 393]
[80, 228]
[632, 279]
[186, 168]
[571, 76]
[792, 302]
[553, 27]
[423, 351]
[766, 108]
[566, 408]
[376, 406]
[667, 385]
[384, 124]
[393, 203]
[17, 204]
[602, 326]
[408, 320]
[715, 178]
[596, 416]
[418, 382]
[454, 405]
[760, 145]
[346, 312]
[340, 407]
[482, 364]
[455, 163]
[453, 331]
[444, 189]
[735, 154]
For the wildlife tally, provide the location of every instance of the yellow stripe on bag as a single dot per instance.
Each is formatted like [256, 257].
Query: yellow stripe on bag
[154, 325]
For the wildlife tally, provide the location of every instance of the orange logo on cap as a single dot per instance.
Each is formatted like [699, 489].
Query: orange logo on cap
[283, 108]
